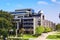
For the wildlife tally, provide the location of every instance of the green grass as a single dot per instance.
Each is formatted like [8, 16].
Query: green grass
[24, 37]
[27, 36]
[53, 37]
[58, 33]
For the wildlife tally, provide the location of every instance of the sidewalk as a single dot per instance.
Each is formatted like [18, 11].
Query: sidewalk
[44, 35]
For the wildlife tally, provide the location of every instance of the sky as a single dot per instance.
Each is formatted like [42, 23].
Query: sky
[51, 8]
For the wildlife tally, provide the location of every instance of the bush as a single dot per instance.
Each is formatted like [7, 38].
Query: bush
[47, 29]
[39, 30]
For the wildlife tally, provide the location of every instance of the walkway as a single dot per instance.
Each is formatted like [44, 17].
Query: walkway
[44, 35]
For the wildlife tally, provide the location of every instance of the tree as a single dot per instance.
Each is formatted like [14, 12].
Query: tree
[58, 27]
[5, 22]
[6, 15]
[39, 29]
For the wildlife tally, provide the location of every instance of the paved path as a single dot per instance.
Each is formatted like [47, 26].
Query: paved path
[44, 35]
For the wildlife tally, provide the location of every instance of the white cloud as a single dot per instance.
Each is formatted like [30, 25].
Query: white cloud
[53, 0]
[42, 2]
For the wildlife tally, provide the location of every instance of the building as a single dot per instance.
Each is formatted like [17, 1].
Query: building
[29, 20]
[49, 24]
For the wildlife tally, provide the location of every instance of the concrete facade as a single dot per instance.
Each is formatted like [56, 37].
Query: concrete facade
[50, 24]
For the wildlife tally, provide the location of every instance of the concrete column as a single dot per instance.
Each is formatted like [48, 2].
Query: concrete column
[34, 25]
[16, 32]
[17, 25]
[42, 20]
[17, 28]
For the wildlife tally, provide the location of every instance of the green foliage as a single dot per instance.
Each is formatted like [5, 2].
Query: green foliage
[5, 22]
[58, 27]
[47, 29]
[39, 29]
[6, 15]
[4, 32]
[5, 19]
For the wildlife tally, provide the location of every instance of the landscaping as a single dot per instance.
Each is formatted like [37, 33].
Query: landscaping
[27, 36]
[23, 37]
[54, 36]
[39, 29]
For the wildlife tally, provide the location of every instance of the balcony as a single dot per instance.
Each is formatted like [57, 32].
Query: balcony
[28, 29]
[27, 21]
[27, 25]
[16, 20]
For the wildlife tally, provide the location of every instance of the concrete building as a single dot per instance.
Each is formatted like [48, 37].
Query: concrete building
[29, 20]
[49, 24]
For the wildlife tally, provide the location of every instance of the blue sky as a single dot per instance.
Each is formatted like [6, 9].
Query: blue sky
[51, 8]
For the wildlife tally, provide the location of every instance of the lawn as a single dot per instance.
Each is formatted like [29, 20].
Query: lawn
[23, 37]
[58, 33]
[27, 36]
[54, 36]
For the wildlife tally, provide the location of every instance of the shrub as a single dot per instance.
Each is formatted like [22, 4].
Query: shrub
[47, 29]
[39, 29]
